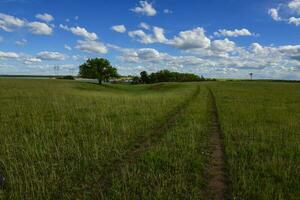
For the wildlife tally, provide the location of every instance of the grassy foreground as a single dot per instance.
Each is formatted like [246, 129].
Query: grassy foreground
[71, 140]
[261, 128]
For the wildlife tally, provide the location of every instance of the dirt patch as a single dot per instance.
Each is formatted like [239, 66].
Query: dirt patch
[217, 184]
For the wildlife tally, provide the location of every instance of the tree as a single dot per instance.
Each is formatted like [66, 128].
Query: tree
[251, 76]
[98, 68]
[144, 77]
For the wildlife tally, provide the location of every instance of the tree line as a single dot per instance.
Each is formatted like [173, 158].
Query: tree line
[101, 69]
[166, 76]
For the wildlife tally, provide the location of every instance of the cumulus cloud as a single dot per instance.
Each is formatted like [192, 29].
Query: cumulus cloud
[8, 22]
[141, 36]
[273, 12]
[9, 55]
[223, 45]
[45, 17]
[21, 42]
[221, 58]
[294, 5]
[119, 28]
[191, 39]
[145, 8]
[91, 46]
[51, 56]
[145, 26]
[158, 36]
[67, 47]
[288, 12]
[31, 60]
[80, 32]
[295, 21]
[233, 33]
[39, 28]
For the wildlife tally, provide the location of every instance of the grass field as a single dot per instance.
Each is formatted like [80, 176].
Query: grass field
[71, 140]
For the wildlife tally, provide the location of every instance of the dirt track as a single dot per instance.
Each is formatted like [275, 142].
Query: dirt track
[216, 170]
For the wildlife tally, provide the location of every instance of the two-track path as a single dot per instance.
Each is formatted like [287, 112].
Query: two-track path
[141, 145]
[216, 173]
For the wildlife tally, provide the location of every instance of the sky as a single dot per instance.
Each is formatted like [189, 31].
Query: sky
[213, 38]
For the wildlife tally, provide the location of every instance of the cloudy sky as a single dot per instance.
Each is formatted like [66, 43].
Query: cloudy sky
[228, 38]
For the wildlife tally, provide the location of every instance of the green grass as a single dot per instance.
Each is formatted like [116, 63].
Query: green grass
[57, 135]
[261, 127]
[173, 168]
[62, 139]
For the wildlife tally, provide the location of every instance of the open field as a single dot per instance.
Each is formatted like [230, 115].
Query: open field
[72, 140]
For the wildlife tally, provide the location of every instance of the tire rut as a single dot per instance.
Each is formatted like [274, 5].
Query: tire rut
[142, 144]
[217, 181]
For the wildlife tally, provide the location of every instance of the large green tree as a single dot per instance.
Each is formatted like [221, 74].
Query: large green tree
[98, 68]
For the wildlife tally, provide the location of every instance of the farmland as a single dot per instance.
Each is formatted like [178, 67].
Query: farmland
[72, 140]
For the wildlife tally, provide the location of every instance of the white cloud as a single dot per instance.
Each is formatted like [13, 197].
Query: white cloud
[289, 12]
[52, 56]
[294, 5]
[11, 20]
[92, 46]
[258, 49]
[233, 33]
[145, 26]
[141, 36]
[8, 22]
[21, 42]
[191, 39]
[168, 11]
[273, 12]
[159, 35]
[223, 58]
[32, 60]
[148, 54]
[68, 47]
[9, 55]
[223, 45]
[294, 20]
[145, 8]
[80, 32]
[45, 17]
[39, 28]
[119, 28]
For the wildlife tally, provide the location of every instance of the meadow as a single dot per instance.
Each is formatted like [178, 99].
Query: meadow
[72, 140]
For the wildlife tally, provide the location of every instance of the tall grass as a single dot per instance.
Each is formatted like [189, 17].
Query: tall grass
[262, 141]
[174, 167]
[57, 135]
[57, 138]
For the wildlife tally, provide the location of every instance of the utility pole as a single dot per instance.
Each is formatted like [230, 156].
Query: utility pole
[56, 70]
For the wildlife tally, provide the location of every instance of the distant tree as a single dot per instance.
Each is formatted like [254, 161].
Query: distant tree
[98, 68]
[251, 75]
[144, 77]
[136, 80]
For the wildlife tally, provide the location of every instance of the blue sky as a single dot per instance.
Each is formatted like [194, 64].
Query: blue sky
[223, 39]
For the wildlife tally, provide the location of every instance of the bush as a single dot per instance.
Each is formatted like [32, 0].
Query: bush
[67, 77]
